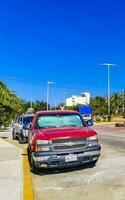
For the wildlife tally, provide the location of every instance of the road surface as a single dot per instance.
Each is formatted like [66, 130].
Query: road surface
[105, 181]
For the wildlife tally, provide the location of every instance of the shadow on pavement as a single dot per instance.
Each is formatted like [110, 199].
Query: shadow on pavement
[43, 172]
[4, 137]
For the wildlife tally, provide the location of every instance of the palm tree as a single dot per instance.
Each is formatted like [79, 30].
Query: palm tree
[116, 103]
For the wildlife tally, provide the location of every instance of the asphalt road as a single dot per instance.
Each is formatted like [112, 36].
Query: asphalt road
[105, 181]
[112, 136]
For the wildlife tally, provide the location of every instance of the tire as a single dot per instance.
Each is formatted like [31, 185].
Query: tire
[14, 135]
[22, 139]
[33, 168]
[94, 162]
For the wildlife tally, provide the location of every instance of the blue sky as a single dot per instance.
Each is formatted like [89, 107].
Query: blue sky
[61, 41]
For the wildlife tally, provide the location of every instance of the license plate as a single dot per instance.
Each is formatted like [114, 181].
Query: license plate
[70, 158]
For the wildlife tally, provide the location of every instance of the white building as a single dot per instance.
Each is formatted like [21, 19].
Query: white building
[75, 100]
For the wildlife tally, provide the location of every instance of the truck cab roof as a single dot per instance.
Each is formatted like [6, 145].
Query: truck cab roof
[57, 112]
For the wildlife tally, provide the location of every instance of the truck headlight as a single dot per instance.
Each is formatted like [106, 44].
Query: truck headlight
[93, 140]
[94, 137]
[43, 145]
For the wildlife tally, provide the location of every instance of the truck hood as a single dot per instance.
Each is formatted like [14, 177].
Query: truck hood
[63, 132]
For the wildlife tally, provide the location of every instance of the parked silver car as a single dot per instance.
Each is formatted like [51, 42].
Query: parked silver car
[21, 126]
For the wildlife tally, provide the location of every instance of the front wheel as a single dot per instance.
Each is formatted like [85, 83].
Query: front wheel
[14, 135]
[22, 139]
[33, 168]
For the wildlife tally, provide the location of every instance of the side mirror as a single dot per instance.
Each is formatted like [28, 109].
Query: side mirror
[90, 122]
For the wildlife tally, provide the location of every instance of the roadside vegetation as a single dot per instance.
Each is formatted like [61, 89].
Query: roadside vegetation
[100, 108]
[12, 106]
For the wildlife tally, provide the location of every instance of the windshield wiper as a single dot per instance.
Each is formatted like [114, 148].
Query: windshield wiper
[49, 127]
[68, 125]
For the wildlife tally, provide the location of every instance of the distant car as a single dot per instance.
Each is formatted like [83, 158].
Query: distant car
[21, 126]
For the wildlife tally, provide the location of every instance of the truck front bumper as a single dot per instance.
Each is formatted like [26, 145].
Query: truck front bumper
[66, 159]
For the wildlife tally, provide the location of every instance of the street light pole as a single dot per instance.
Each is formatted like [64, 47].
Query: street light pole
[31, 103]
[64, 97]
[47, 95]
[123, 104]
[109, 103]
[108, 65]
[48, 84]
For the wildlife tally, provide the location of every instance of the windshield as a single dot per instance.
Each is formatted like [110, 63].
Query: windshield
[27, 120]
[51, 121]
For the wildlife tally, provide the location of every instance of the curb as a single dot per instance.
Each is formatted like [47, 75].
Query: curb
[27, 181]
[101, 123]
[27, 185]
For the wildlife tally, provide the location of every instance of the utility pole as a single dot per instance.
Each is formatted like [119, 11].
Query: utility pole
[109, 102]
[55, 104]
[123, 108]
[108, 65]
[64, 98]
[31, 105]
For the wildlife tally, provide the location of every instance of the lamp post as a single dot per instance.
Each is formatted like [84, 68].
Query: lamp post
[108, 65]
[31, 103]
[48, 84]
[123, 106]
[64, 97]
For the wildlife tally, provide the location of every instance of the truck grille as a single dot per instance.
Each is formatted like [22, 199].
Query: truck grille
[69, 144]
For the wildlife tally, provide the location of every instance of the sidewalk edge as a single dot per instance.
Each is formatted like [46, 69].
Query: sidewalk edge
[27, 180]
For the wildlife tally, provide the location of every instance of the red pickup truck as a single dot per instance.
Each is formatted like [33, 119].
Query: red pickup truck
[61, 139]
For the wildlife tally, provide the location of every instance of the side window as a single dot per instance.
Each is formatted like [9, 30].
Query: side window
[20, 120]
[17, 120]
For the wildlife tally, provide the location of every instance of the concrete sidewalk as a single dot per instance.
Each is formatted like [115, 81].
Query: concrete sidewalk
[11, 172]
